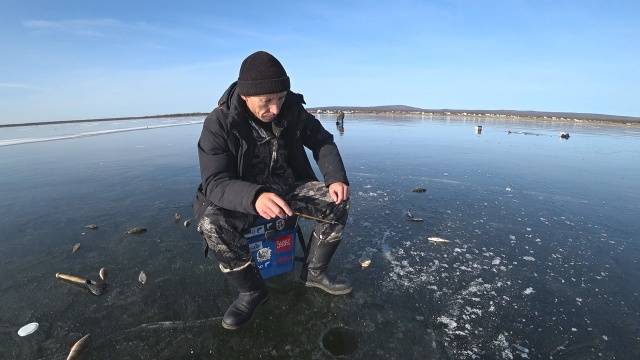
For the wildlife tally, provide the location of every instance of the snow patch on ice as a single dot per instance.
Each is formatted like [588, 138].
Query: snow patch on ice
[528, 291]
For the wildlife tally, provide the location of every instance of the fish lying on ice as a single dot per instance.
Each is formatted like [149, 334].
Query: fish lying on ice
[136, 230]
[437, 240]
[78, 348]
[410, 217]
[103, 274]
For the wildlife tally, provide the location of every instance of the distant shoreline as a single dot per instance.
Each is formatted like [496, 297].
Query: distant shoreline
[396, 110]
[501, 114]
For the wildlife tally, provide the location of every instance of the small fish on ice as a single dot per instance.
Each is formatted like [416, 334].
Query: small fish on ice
[437, 240]
[142, 278]
[410, 217]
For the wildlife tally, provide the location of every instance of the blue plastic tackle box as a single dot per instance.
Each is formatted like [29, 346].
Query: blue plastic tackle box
[273, 245]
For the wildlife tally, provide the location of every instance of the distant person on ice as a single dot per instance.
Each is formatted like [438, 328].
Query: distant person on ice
[340, 118]
[253, 163]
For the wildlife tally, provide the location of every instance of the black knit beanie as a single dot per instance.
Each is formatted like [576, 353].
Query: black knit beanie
[261, 73]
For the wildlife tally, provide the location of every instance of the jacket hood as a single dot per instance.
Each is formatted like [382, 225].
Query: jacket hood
[227, 96]
[231, 102]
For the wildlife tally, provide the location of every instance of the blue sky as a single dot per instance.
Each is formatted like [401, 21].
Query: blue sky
[84, 59]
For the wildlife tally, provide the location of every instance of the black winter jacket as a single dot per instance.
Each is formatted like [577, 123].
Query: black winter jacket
[226, 143]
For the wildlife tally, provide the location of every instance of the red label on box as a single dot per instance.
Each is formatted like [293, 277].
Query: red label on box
[284, 243]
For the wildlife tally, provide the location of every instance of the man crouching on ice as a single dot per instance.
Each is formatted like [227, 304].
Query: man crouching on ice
[253, 163]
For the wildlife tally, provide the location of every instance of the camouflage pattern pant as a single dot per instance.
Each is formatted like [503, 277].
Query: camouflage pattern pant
[223, 229]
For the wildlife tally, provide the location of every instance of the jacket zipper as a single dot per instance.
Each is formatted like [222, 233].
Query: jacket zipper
[243, 148]
[274, 145]
[274, 153]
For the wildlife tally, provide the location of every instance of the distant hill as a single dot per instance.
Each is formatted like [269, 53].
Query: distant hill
[493, 113]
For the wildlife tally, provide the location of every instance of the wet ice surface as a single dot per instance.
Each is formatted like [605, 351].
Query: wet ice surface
[542, 260]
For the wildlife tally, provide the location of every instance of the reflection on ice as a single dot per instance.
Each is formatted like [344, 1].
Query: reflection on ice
[9, 142]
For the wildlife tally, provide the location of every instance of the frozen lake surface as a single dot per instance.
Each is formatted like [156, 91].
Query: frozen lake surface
[542, 260]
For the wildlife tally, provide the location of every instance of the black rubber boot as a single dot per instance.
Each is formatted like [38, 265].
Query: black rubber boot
[253, 293]
[314, 272]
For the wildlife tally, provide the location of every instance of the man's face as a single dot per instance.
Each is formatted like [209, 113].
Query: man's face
[265, 107]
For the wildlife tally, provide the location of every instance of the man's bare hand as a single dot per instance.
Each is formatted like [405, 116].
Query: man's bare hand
[339, 192]
[270, 205]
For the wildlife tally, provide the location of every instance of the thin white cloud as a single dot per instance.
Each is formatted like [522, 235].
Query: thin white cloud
[79, 27]
[19, 86]
[71, 24]
[103, 27]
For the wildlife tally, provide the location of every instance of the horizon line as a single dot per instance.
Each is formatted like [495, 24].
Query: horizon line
[383, 109]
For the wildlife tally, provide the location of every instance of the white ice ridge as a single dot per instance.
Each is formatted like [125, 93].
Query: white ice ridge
[11, 142]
